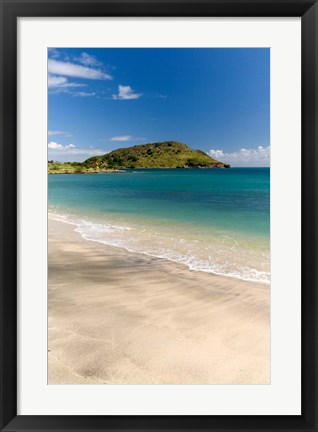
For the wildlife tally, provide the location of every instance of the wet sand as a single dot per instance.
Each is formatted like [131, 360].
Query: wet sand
[116, 317]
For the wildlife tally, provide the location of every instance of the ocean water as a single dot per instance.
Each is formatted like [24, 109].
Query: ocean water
[212, 220]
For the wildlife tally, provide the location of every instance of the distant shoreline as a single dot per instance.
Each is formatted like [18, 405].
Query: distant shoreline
[123, 170]
[88, 172]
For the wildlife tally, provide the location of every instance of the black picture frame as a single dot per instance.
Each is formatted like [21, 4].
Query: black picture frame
[10, 11]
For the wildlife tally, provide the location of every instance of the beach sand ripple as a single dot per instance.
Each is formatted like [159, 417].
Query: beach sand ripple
[117, 317]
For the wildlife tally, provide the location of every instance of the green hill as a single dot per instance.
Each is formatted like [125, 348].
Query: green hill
[167, 154]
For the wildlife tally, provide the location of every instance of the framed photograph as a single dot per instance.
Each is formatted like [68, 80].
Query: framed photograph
[158, 215]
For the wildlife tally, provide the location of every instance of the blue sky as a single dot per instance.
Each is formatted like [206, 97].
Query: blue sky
[215, 100]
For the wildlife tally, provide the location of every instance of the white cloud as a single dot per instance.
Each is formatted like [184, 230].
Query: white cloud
[126, 93]
[88, 60]
[59, 133]
[216, 154]
[54, 81]
[83, 94]
[61, 82]
[71, 153]
[54, 53]
[59, 71]
[122, 138]
[57, 67]
[56, 146]
[252, 157]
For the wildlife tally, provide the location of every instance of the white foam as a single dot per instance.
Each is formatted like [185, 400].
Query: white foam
[154, 244]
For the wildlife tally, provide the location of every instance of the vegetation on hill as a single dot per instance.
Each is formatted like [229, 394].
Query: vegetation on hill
[67, 168]
[75, 168]
[167, 154]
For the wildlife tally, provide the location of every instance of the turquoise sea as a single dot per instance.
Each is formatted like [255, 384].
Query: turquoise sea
[212, 220]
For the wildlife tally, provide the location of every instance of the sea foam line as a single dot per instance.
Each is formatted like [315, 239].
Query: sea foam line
[198, 267]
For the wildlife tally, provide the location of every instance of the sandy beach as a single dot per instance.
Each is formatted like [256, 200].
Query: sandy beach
[116, 317]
